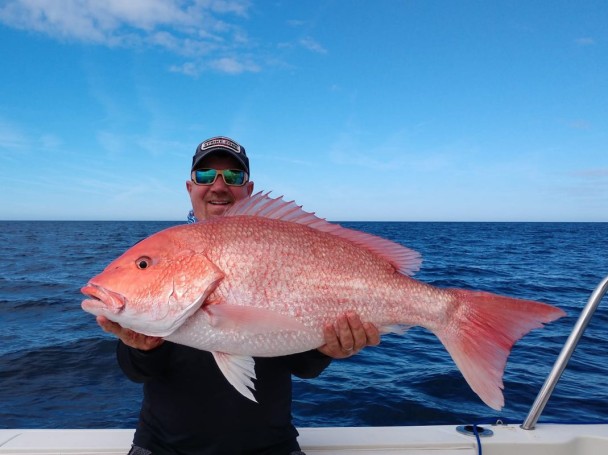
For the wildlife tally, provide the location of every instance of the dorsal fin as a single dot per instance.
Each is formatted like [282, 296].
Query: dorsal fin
[406, 261]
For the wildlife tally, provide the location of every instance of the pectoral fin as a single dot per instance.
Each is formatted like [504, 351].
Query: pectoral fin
[239, 370]
[251, 320]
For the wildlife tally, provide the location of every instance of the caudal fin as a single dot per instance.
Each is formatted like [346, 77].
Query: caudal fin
[483, 330]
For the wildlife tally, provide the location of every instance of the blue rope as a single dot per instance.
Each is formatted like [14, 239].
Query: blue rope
[476, 433]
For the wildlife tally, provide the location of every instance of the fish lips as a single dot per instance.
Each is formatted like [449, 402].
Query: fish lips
[102, 300]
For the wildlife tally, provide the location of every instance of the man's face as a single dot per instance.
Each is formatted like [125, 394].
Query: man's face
[213, 200]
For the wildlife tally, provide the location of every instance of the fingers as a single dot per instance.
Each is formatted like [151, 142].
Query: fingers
[128, 336]
[347, 333]
[332, 347]
[348, 336]
[372, 334]
[357, 333]
[143, 342]
[108, 326]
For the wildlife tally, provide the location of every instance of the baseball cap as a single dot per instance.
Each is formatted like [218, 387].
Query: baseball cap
[220, 144]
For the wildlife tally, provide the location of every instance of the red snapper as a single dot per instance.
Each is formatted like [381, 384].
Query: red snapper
[264, 280]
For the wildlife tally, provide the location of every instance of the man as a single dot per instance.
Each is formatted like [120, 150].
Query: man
[188, 406]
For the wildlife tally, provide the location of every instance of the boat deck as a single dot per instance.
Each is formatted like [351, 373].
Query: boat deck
[546, 439]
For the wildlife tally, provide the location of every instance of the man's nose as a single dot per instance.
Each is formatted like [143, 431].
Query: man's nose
[219, 183]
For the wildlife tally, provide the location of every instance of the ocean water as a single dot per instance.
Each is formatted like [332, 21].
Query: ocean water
[58, 370]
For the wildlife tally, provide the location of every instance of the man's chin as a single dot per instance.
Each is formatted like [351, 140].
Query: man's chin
[217, 209]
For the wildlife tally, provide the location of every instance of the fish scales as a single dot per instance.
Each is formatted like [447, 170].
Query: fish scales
[315, 276]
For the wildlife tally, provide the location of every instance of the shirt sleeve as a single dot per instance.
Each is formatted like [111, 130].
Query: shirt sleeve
[309, 364]
[139, 366]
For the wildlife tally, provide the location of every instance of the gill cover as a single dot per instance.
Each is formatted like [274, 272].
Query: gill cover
[159, 288]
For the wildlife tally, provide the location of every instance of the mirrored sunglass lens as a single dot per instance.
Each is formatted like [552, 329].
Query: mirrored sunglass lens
[234, 177]
[205, 176]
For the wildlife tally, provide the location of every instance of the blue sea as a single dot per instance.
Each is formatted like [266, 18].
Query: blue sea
[58, 370]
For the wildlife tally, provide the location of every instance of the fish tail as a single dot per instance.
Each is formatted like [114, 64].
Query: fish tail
[483, 330]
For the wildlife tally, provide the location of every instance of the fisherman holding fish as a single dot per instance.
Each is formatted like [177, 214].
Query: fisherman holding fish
[264, 291]
[189, 407]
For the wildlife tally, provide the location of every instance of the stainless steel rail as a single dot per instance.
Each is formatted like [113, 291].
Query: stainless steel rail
[564, 356]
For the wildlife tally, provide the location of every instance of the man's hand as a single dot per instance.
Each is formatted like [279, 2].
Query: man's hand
[348, 336]
[128, 336]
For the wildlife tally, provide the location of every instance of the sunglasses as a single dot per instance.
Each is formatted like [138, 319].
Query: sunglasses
[232, 177]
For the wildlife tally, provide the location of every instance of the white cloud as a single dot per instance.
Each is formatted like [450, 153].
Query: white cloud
[228, 65]
[233, 65]
[312, 45]
[585, 41]
[15, 139]
[188, 68]
[295, 23]
[194, 28]
[11, 137]
[109, 22]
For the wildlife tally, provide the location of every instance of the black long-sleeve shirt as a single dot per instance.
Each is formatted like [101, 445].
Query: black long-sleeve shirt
[190, 408]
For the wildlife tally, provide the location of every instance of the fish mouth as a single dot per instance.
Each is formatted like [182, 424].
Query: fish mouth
[102, 300]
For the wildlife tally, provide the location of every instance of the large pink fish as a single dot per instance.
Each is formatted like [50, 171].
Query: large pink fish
[264, 279]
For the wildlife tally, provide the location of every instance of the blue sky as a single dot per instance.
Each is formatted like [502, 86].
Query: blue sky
[358, 110]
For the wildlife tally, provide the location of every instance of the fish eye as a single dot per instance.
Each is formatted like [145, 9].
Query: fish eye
[143, 262]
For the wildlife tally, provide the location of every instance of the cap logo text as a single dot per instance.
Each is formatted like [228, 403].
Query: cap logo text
[223, 142]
